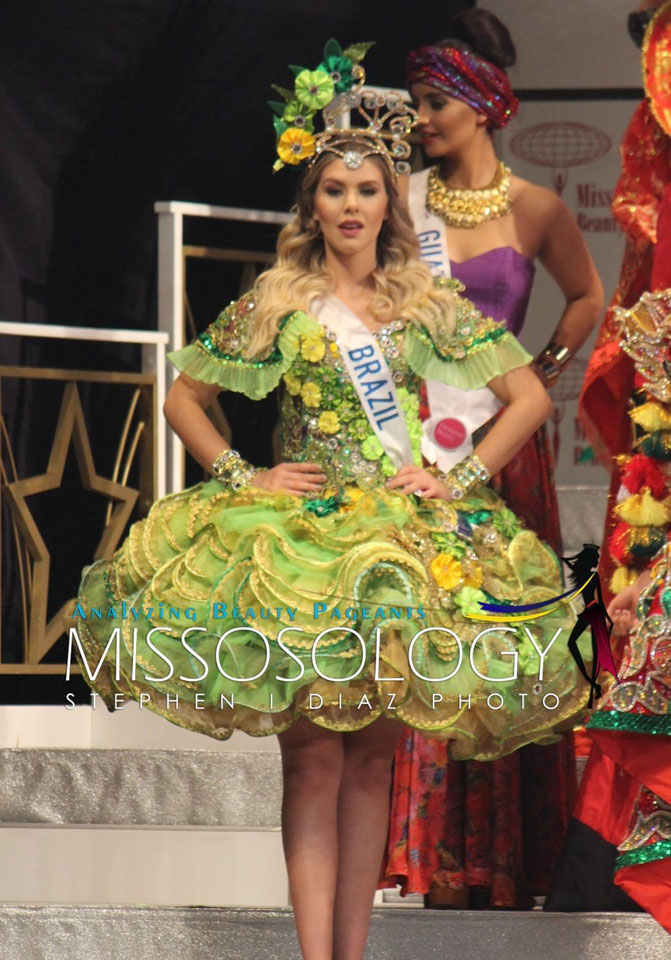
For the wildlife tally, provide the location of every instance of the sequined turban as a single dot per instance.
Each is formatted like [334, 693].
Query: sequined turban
[464, 75]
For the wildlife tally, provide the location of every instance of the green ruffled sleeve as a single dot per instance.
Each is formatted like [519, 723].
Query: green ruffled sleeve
[217, 356]
[477, 350]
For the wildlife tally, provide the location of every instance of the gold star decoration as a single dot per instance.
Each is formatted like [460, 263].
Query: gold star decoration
[70, 426]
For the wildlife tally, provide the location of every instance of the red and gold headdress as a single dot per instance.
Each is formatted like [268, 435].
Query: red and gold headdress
[657, 66]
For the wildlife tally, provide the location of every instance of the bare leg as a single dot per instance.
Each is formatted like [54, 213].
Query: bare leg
[312, 764]
[363, 823]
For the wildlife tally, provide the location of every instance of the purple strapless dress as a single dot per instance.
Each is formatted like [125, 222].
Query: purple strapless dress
[499, 284]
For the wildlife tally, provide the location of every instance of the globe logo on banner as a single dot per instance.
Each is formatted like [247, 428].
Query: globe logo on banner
[560, 146]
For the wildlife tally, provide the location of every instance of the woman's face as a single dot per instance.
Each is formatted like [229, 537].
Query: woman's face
[446, 125]
[350, 206]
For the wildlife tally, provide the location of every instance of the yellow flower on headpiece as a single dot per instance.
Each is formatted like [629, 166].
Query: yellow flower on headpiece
[311, 395]
[295, 145]
[312, 346]
[446, 571]
[328, 422]
[293, 384]
[314, 88]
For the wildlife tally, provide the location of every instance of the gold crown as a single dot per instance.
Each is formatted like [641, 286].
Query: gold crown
[388, 120]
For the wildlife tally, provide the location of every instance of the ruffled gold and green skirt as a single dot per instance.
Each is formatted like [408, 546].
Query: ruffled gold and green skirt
[250, 610]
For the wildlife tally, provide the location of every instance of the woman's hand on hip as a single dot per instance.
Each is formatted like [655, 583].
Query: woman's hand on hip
[295, 478]
[411, 479]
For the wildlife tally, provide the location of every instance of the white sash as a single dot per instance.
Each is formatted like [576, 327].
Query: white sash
[454, 414]
[429, 227]
[370, 375]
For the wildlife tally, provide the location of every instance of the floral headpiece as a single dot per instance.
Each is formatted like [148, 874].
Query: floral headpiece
[334, 87]
[464, 75]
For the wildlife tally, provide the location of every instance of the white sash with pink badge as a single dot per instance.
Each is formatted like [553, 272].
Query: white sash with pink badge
[370, 375]
[454, 414]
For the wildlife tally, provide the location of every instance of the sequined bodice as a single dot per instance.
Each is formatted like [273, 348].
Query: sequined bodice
[499, 283]
[323, 416]
[322, 419]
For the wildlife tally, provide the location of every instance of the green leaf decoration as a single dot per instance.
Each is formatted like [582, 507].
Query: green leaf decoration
[357, 51]
[280, 126]
[296, 70]
[286, 95]
[332, 49]
[277, 107]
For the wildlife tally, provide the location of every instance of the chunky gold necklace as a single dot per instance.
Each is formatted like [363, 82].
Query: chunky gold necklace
[469, 208]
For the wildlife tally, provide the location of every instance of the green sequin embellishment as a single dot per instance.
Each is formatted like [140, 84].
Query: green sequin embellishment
[655, 851]
[633, 722]
[480, 516]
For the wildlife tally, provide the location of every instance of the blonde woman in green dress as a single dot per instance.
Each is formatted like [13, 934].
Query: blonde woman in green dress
[310, 584]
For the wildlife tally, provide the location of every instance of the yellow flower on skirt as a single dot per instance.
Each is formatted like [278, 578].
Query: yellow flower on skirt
[446, 571]
[328, 422]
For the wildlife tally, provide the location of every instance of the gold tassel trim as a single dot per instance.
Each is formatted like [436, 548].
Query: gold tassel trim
[623, 577]
[642, 510]
[652, 416]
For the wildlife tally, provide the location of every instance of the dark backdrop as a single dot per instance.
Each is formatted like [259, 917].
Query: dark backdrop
[107, 107]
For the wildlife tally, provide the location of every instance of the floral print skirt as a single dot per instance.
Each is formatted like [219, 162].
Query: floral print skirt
[486, 834]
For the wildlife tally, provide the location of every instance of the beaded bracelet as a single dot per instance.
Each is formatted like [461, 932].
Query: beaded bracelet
[232, 471]
[463, 476]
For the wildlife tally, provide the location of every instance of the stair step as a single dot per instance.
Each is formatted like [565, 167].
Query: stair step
[240, 790]
[37, 932]
[157, 866]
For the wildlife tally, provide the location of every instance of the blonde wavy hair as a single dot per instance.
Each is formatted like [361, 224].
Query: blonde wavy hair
[404, 286]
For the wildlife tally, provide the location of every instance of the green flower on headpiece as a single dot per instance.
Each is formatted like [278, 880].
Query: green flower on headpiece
[339, 70]
[295, 115]
[314, 89]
